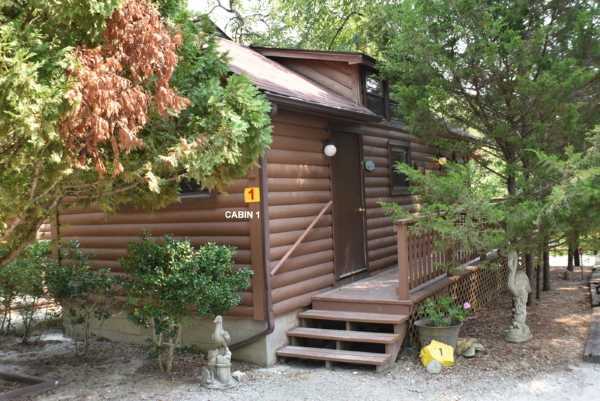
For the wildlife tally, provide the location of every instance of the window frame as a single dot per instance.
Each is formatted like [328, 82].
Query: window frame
[405, 146]
[385, 89]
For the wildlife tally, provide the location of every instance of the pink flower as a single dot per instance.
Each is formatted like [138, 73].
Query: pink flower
[466, 305]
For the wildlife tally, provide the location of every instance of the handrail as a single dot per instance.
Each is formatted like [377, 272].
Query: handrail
[301, 238]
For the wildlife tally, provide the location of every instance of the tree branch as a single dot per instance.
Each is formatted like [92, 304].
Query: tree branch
[341, 27]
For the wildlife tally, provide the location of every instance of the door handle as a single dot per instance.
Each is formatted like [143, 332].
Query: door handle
[361, 210]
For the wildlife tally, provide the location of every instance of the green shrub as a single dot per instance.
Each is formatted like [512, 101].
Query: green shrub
[22, 285]
[83, 293]
[8, 295]
[167, 278]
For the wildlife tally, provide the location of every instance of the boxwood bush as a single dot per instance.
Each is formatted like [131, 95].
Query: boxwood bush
[168, 280]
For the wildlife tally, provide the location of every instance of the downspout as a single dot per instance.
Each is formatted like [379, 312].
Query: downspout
[264, 221]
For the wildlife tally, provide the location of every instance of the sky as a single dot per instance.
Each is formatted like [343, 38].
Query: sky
[218, 15]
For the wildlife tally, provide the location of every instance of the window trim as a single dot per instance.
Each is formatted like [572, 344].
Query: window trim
[405, 145]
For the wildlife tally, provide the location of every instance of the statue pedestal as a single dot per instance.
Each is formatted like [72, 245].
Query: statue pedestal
[517, 333]
[217, 374]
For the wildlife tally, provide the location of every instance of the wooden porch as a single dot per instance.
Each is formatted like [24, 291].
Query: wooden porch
[365, 322]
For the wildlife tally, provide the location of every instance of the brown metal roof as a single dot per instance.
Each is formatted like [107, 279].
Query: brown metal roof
[275, 79]
[305, 54]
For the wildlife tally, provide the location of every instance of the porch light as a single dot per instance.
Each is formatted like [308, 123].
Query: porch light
[329, 149]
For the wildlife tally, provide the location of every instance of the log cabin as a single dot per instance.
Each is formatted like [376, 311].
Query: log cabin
[334, 278]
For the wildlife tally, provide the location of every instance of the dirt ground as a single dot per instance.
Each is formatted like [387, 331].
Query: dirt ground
[547, 368]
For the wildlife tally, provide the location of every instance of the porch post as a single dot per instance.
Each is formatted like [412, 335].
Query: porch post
[401, 227]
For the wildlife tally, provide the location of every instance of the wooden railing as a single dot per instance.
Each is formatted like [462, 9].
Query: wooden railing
[420, 261]
[301, 238]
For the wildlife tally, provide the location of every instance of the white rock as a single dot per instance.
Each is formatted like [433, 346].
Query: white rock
[434, 367]
[239, 376]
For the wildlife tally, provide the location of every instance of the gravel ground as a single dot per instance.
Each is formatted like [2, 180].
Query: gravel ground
[547, 368]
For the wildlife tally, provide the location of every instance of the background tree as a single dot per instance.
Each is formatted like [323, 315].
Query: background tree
[522, 75]
[346, 25]
[113, 102]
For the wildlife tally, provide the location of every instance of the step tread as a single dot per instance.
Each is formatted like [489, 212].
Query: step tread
[344, 335]
[363, 317]
[333, 355]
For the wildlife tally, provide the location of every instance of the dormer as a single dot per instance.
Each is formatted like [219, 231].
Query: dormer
[348, 74]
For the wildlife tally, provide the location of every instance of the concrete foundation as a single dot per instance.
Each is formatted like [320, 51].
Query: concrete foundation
[197, 332]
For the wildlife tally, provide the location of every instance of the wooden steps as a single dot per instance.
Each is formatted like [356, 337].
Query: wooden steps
[344, 335]
[348, 316]
[347, 336]
[334, 355]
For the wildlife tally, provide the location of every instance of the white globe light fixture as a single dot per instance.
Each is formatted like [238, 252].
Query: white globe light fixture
[329, 149]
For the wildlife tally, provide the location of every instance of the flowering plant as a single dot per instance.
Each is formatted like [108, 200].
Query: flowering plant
[444, 312]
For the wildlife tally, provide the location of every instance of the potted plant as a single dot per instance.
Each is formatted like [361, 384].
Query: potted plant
[441, 320]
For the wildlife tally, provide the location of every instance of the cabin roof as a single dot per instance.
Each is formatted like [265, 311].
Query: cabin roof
[281, 83]
[321, 55]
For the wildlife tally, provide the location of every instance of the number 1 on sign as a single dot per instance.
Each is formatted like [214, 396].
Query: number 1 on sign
[251, 194]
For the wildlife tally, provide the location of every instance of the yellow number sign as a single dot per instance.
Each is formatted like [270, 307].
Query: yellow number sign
[251, 194]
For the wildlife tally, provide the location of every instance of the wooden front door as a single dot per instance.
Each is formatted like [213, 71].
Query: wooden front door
[348, 207]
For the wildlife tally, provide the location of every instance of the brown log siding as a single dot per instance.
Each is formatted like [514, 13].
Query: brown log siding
[381, 239]
[299, 186]
[105, 237]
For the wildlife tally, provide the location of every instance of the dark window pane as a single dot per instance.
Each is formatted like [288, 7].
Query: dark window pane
[376, 104]
[189, 186]
[399, 181]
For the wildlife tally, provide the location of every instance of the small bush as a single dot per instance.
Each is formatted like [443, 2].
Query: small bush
[167, 278]
[83, 293]
[22, 285]
[8, 296]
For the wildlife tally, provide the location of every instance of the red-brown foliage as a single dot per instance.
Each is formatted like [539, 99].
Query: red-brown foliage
[112, 95]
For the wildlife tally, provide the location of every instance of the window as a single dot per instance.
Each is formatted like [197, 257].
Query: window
[189, 187]
[376, 95]
[398, 182]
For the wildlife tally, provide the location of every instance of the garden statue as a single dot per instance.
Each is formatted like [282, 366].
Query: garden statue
[217, 373]
[518, 285]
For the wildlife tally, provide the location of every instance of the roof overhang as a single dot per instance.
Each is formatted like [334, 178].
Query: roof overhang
[292, 104]
[321, 55]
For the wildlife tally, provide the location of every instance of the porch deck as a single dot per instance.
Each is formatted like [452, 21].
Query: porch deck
[379, 289]
[366, 321]
[382, 286]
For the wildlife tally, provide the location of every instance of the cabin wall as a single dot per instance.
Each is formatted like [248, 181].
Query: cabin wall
[105, 237]
[44, 232]
[381, 246]
[339, 77]
[299, 182]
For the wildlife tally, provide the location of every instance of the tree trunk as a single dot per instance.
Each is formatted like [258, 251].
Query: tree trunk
[538, 271]
[577, 256]
[570, 259]
[529, 271]
[546, 267]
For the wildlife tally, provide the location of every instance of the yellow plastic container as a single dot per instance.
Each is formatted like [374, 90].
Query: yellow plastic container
[443, 353]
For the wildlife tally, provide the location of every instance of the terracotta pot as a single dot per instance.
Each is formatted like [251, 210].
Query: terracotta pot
[445, 334]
